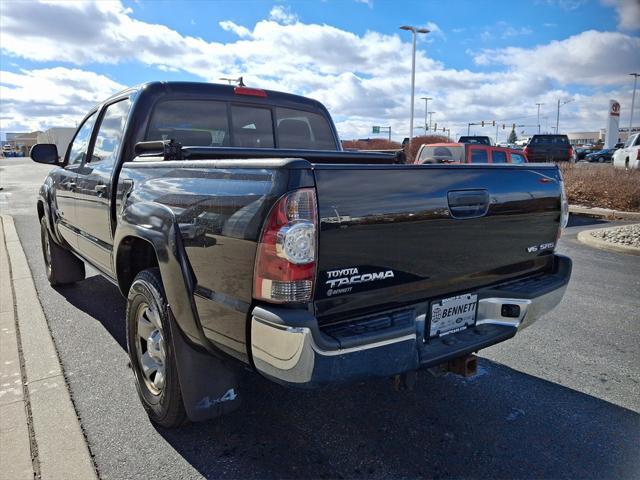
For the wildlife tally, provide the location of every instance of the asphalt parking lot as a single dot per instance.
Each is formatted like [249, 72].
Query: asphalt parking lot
[560, 400]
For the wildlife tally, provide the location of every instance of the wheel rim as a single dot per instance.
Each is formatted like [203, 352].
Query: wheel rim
[46, 249]
[150, 348]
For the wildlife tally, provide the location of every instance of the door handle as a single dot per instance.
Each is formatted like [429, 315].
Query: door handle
[100, 188]
[468, 203]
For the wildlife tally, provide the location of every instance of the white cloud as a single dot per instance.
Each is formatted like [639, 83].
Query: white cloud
[239, 30]
[511, 31]
[568, 5]
[363, 79]
[588, 58]
[41, 98]
[628, 13]
[282, 15]
[368, 3]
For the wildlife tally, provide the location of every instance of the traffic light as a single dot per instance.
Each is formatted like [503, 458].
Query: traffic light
[435, 127]
[514, 126]
[443, 129]
[503, 126]
[483, 123]
[494, 123]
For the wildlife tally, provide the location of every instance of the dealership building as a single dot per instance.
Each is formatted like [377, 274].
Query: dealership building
[583, 138]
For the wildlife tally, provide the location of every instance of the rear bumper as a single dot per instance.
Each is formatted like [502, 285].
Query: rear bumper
[289, 347]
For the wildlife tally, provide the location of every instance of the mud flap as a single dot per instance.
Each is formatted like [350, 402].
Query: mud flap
[209, 385]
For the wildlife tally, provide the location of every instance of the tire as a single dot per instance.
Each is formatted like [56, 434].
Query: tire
[600, 159]
[151, 350]
[62, 267]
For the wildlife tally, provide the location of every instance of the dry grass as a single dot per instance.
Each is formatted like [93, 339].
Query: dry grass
[373, 144]
[602, 186]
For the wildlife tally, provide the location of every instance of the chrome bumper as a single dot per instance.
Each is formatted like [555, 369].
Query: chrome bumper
[287, 345]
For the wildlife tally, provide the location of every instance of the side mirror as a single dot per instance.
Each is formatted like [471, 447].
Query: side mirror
[44, 153]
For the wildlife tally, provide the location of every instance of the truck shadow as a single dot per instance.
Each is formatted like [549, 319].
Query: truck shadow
[100, 299]
[500, 424]
[583, 220]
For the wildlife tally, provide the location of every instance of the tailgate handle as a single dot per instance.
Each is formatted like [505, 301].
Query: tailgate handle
[468, 203]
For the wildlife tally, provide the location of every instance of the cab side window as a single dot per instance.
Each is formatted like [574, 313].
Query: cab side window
[517, 158]
[479, 156]
[110, 133]
[499, 156]
[80, 144]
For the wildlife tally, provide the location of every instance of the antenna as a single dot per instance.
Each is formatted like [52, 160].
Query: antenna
[231, 81]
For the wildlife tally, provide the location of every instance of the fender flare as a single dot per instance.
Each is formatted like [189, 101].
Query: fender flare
[44, 197]
[156, 224]
[208, 380]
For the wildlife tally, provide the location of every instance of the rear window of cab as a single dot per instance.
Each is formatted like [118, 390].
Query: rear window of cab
[211, 123]
[546, 139]
[441, 154]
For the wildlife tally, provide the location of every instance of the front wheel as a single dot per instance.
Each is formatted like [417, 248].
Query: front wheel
[62, 266]
[151, 350]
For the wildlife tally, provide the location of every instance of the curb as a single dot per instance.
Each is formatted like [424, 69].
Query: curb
[588, 239]
[603, 212]
[56, 445]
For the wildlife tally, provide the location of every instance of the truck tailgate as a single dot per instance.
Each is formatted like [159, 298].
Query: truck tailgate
[392, 235]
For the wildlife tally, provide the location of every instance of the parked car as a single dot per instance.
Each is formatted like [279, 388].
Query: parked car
[629, 155]
[581, 152]
[243, 237]
[549, 148]
[468, 153]
[481, 139]
[600, 156]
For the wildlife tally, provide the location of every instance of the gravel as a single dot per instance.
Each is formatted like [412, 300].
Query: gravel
[627, 235]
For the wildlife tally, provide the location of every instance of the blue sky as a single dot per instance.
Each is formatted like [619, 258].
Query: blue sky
[483, 60]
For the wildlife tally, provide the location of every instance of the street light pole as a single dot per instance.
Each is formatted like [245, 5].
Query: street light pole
[538, 104]
[558, 114]
[633, 101]
[414, 31]
[430, 114]
[426, 111]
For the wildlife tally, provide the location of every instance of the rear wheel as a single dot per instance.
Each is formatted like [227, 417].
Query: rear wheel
[151, 350]
[61, 265]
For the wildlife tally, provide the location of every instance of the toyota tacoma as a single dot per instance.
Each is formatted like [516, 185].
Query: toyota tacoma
[242, 235]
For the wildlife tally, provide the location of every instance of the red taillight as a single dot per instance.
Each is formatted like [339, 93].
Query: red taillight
[285, 267]
[570, 151]
[526, 150]
[638, 154]
[252, 92]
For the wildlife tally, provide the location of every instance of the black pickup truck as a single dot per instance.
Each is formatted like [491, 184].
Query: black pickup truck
[242, 236]
[549, 148]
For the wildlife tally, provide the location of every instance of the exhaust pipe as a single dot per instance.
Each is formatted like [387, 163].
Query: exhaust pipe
[464, 366]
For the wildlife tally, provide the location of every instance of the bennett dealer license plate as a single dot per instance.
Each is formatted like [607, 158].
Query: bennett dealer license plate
[453, 314]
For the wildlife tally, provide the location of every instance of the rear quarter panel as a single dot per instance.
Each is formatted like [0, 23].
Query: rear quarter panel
[219, 213]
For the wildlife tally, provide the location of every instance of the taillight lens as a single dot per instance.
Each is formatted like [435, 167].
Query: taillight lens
[285, 267]
[526, 150]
